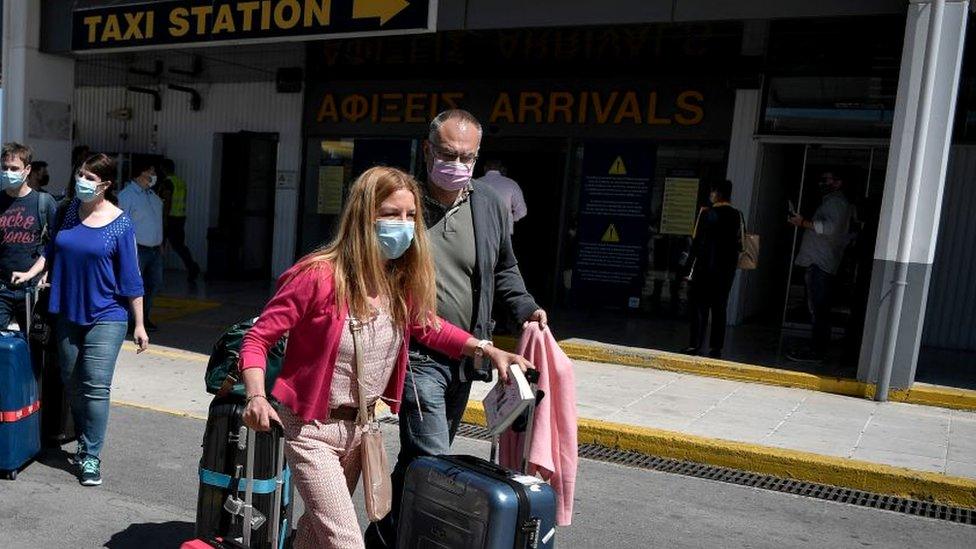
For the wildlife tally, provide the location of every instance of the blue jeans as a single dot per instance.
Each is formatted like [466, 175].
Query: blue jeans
[88, 355]
[427, 427]
[151, 267]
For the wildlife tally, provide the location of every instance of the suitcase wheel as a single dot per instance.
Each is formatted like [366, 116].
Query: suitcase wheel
[10, 475]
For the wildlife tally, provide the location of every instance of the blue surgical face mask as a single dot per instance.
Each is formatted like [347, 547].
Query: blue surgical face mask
[11, 179]
[86, 190]
[395, 237]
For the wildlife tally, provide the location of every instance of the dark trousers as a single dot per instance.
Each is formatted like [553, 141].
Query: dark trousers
[709, 297]
[820, 289]
[13, 305]
[434, 399]
[176, 236]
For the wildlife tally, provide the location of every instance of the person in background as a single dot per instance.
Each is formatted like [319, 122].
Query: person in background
[39, 177]
[496, 178]
[825, 237]
[378, 274]
[173, 191]
[714, 259]
[26, 217]
[78, 155]
[94, 273]
[145, 209]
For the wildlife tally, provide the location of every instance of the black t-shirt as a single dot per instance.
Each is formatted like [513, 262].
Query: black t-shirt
[21, 231]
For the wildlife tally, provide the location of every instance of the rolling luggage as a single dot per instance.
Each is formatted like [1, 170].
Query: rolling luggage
[20, 422]
[57, 425]
[245, 485]
[455, 502]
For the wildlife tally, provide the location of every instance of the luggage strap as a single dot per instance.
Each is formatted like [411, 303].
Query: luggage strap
[260, 486]
[11, 416]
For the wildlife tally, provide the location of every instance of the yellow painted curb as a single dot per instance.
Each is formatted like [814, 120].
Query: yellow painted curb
[920, 393]
[167, 309]
[778, 462]
[168, 353]
[159, 409]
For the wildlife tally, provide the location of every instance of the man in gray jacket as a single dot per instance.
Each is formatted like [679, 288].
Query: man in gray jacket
[468, 228]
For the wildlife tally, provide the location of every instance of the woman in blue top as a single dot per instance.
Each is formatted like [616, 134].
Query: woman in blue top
[95, 278]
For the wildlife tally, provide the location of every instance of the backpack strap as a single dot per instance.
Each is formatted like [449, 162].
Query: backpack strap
[45, 206]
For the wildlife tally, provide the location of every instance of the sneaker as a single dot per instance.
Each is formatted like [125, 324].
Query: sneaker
[91, 472]
[808, 357]
[693, 351]
[75, 458]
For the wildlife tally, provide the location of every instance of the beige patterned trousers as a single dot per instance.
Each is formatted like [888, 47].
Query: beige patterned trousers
[325, 463]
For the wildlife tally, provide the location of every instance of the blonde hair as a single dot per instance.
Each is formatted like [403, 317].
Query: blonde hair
[356, 258]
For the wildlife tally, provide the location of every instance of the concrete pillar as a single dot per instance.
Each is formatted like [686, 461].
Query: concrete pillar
[935, 149]
[742, 172]
[38, 90]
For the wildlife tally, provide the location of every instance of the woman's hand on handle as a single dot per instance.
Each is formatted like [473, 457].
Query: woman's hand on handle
[258, 414]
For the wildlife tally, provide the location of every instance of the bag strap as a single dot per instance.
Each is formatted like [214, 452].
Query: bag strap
[742, 231]
[356, 327]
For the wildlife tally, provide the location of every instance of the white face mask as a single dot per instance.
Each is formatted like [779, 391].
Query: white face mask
[152, 180]
[11, 179]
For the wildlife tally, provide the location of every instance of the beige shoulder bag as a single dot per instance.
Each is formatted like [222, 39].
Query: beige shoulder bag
[377, 486]
[749, 254]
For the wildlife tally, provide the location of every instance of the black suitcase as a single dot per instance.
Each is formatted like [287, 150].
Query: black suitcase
[57, 425]
[245, 493]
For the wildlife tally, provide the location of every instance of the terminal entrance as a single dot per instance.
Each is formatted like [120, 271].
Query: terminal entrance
[239, 247]
[776, 294]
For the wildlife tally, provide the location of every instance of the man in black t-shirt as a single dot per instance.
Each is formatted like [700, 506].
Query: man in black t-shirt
[26, 217]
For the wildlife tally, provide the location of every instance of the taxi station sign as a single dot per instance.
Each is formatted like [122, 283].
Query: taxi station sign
[204, 22]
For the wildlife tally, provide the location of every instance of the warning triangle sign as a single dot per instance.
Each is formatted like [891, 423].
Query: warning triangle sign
[618, 168]
[611, 234]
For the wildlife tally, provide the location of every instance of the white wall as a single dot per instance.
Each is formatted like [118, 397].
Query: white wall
[188, 137]
[29, 75]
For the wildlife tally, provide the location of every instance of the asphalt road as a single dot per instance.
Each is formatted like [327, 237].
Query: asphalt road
[149, 497]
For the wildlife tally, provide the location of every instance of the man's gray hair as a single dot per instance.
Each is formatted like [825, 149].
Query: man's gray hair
[461, 116]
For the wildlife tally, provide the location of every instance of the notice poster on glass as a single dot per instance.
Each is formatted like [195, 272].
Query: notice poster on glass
[614, 213]
[680, 205]
[331, 179]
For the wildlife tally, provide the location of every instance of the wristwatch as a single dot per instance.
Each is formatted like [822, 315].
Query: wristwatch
[479, 351]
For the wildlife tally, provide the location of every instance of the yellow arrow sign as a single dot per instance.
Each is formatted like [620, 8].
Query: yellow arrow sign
[384, 9]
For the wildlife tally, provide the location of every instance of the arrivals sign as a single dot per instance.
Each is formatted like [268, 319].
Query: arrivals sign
[186, 22]
[611, 108]
[613, 220]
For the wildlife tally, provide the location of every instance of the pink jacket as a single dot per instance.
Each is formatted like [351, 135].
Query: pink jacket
[553, 452]
[305, 307]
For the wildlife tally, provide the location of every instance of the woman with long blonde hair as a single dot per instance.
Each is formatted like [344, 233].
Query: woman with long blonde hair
[377, 272]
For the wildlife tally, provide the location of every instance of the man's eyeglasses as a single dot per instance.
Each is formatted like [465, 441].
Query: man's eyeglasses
[446, 155]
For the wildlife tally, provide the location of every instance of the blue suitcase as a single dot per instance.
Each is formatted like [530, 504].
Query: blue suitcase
[455, 502]
[20, 422]
[465, 502]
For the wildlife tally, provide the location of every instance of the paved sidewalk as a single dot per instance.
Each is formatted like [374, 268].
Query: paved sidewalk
[923, 438]
[905, 435]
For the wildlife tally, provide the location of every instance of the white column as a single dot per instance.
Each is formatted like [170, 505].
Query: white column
[924, 220]
[38, 90]
[741, 171]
